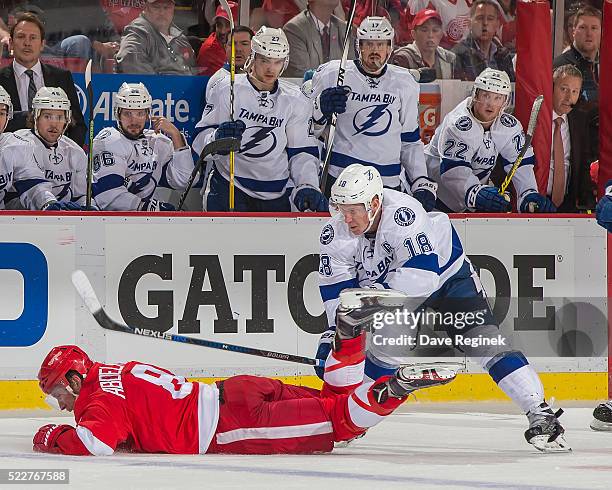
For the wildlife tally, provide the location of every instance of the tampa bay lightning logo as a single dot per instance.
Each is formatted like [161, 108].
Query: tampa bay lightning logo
[373, 120]
[464, 123]
[259, 141]
[327, 235]
[62, 192]
[507, 120]
[56, 158]
[404, 216]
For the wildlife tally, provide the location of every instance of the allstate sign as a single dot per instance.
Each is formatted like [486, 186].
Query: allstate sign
[30, 262]
[177, 98]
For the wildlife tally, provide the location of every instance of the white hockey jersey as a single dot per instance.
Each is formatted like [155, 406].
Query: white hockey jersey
[20, 175]
[413, 251]
[381, 124]
[64, 164]
[462, 154]
[278, 143]
[129, 171]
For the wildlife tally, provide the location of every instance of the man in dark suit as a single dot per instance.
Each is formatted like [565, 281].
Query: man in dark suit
[27, 74]
[315, 37]
[574, 144]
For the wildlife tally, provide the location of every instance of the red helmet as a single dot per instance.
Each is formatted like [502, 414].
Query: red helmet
[58, 362]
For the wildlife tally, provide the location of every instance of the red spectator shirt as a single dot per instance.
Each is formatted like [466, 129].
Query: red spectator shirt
[142, 408]
[211, 56]
[122, 12]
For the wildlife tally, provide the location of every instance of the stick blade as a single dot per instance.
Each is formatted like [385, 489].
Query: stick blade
[535, 111]
[88, 74]
[223, 144]
[86, 291]
[228, 10]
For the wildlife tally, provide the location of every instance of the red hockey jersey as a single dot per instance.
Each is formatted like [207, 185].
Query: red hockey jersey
[142, 408]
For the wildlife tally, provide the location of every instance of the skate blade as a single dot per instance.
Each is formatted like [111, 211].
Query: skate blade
[341, 444]
[559, 445]
[426, 379]
[440, 365]
[600, 426]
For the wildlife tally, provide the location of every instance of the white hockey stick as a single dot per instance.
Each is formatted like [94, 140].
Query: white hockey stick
[533, 119]
[334, 118]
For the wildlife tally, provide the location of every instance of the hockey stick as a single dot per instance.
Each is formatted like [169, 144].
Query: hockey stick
[340, 81]
[533, 119]
[88, 295]
[89, 88]
[216, 146]
[227, 8]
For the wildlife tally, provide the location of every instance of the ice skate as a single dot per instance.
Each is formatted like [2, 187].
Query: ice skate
[411, 378]
[602, 417]
[545, 432]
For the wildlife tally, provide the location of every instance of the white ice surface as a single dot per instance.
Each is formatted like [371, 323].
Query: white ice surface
[427, 446]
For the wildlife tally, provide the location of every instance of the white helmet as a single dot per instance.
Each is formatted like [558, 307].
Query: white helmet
[375, 29]
[51, 98]
[357, 184]
[271, 43]
[495, 81]
[132, 96]
[491, 80]
[5, 99]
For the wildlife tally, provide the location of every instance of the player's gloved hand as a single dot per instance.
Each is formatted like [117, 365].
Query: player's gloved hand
[487, 199]
[425, 75]
[333, 99]
[230, 129]
[153, 205]
[46, 437]
[63, 206]
[325, 345]
[424, 190]
[603, 212]
[536, 203]
[309, 199]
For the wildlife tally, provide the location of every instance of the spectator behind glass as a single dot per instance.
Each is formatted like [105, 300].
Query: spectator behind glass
[584, 52]
[152, 44]
[242, 43]
[315, 37]
[455, 17]
[122, 12]
[482, 49]
[58, 43]
[212, 52]
[508, 24]
[425, 53]
[26, 74]
[576, 141]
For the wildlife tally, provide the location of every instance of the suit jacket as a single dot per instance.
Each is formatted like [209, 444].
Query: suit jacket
[583, 123]
[305, 47]
[53, 77]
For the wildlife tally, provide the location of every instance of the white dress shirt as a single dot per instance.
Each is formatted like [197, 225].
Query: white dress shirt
[565, 137]
[23, 81]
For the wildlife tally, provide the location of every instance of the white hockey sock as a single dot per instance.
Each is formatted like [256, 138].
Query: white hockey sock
[524, 387]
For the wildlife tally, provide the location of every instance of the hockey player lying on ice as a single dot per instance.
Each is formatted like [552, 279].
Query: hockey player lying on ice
[143, 408]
